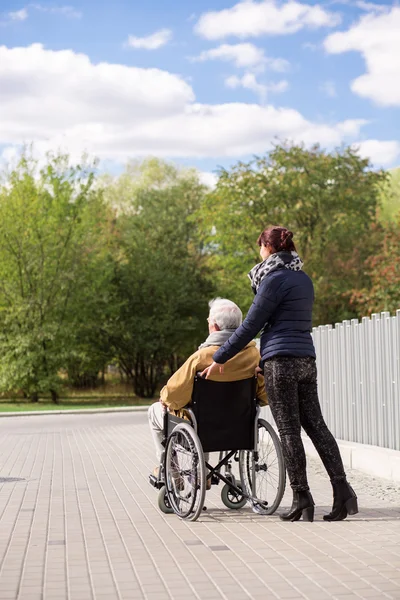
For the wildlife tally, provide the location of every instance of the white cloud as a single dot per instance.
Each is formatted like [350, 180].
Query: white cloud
[329, 88]
[66, 11]
[364, 5]
[381, 153]
[371, 6]
[59, 99]
[208, 179]
[249, 81]
[9, 155]
[351, 127]
[310, 46]
[252, 19]
[377, 38]
[151, 42]
[243, 55]
[18, 15]
[22, 14]
[278, 87]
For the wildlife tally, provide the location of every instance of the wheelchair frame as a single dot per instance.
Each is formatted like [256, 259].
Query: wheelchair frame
[242, 495]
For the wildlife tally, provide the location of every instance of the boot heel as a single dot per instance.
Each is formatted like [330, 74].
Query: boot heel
[297, 516]
[308, 514]
[302, 505]
[352, 506]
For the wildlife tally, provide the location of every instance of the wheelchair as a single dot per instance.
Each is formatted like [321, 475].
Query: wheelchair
[223, 417]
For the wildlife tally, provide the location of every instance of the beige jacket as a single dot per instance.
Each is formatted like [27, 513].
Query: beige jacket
[178, 391]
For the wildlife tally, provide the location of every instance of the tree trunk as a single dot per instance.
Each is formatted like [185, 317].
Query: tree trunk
[54, 396]
[34, 397]
[147, 375]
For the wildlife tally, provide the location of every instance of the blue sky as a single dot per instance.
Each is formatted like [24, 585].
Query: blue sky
[204, 83]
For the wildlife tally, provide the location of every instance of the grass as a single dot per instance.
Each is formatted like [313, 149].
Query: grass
[69, 405]
[111, 394]
[110, 390]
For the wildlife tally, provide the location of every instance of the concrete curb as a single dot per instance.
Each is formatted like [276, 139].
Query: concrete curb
[373, 460]
[72, 411]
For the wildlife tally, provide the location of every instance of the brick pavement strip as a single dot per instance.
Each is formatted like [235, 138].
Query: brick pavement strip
[79, 521]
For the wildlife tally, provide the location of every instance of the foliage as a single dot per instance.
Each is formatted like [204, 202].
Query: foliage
[328, 200]
[50, 232]
[390, 197]
[160, 280]
[383, 266]
[119, 270]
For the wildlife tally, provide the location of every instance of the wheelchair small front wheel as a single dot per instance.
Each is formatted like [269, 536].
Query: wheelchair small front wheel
[231, 498]
[163, 502]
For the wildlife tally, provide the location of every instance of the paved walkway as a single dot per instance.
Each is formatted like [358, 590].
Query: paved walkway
[79, 521]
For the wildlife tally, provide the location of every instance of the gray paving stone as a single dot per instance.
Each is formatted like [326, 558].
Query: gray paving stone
[86, 520]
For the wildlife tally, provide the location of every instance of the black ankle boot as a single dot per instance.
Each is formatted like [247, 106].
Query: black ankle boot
[344, 502]
[303, 504]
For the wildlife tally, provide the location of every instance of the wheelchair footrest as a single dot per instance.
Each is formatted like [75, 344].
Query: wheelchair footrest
[155, 482]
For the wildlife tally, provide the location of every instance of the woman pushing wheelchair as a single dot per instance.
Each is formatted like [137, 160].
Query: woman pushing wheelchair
[282, 309]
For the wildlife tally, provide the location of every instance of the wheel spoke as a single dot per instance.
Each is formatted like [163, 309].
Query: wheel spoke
[185, 472]
[270, 472]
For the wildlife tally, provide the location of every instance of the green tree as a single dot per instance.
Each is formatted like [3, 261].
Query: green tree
[161, 282]
[50, 251]
[390, 197]
[328, 200]
[383, 267]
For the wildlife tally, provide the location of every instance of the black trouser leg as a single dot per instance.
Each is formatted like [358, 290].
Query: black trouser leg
[314, 425]
[281, 384]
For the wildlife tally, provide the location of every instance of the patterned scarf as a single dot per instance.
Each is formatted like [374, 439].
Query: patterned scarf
[279, 260]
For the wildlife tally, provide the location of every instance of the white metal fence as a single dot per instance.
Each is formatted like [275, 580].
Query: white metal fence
[359, 379]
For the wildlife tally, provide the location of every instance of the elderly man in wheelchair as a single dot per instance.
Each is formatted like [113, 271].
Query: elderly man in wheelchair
[196, 416]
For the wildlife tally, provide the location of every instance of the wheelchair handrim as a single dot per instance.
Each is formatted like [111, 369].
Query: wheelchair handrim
[191, 477]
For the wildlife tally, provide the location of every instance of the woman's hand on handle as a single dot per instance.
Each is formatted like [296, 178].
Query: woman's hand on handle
[211, 369]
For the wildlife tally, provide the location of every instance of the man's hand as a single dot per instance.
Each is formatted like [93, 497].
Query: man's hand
[257, 371]
[213, 367]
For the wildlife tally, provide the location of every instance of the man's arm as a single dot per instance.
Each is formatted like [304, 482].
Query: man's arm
[177, 393]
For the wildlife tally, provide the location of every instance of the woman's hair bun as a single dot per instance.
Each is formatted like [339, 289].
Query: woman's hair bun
[286, 235]
[278, 238]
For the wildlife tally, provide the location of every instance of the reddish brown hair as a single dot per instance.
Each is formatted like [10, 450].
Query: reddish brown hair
[279, 238]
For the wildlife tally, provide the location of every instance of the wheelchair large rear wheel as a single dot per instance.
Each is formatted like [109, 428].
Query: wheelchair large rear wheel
[185, 473]
[263, 473]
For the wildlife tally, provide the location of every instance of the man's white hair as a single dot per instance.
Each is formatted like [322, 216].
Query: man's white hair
[225, 313]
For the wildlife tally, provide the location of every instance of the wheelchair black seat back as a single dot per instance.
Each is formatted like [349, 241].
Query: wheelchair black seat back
[224, 418]
[225, 413]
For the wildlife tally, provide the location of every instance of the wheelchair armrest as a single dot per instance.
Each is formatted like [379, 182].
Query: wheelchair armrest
[165, 422]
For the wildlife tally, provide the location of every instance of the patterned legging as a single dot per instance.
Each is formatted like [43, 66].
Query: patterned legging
[291, 385]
